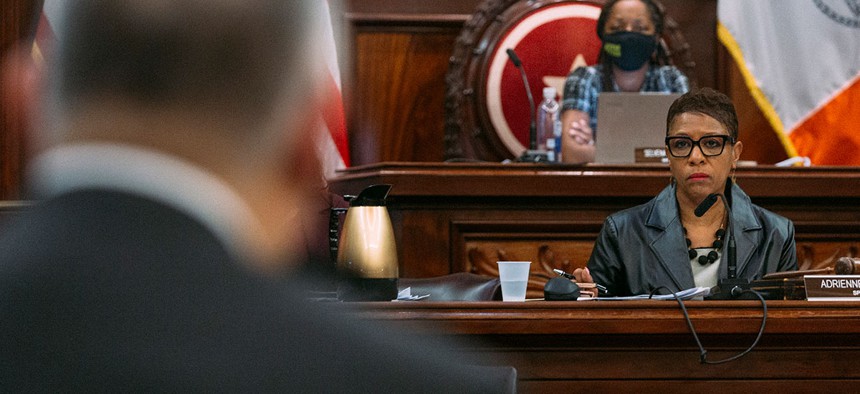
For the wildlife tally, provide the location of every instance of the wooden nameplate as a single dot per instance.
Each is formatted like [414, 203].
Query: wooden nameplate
[832, 287]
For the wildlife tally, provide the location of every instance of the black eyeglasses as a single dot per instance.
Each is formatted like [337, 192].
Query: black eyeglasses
[711, 145]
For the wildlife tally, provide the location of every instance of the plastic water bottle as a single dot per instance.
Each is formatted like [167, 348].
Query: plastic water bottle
[548, 124]
[558, 140]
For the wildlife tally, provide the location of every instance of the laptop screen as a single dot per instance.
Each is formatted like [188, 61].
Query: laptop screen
[632, 127]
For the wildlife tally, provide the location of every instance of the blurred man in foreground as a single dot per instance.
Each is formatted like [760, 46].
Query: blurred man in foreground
[171, 147]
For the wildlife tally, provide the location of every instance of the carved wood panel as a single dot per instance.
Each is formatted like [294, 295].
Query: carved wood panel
[813, 255]
[481, 255]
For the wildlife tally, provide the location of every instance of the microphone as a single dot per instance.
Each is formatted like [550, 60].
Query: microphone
[731, 287]
[706, 204]
[532, 154]
[515, 60]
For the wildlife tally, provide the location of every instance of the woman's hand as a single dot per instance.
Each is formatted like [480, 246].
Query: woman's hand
[577, 141]
[581, 132]
[582, 275]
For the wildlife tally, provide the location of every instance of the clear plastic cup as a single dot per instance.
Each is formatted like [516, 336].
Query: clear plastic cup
[514, 276]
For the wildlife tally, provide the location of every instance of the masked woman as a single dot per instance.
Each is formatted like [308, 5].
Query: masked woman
[666, 242]
[631, 60]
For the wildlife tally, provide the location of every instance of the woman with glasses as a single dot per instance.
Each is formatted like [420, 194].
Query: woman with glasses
[631, 60]
[668, 242]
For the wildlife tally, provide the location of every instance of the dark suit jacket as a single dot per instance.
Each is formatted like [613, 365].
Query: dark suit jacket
[643, 247]
[104, 291]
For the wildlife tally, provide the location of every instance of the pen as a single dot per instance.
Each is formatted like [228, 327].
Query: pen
[564, 274]
[573, 278]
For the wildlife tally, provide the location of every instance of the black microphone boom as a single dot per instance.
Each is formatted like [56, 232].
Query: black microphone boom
[533, 120]
[731, 287]
[532, 154]
[514, 58]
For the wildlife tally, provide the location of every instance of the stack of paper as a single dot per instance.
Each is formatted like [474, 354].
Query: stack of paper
[688, 294]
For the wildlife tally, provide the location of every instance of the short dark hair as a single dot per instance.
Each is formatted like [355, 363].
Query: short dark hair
[230, 58]
[706, 101]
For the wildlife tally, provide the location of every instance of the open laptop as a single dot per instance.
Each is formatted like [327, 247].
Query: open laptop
[631, 127]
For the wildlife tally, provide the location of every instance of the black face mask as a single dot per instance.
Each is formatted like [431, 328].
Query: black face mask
[629, 50]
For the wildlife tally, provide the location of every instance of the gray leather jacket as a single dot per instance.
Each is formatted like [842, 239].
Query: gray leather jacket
[643, 247]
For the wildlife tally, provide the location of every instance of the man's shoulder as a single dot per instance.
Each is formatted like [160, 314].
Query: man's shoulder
[90, 231]
[101, 296]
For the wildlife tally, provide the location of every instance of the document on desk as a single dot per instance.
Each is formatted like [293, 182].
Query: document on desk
[688, 294]
[406, 295]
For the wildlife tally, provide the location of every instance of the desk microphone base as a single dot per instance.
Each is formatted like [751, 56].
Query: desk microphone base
[534, 156]
[731, 289]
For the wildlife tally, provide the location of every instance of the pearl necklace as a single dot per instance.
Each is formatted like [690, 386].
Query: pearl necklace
[712, 255]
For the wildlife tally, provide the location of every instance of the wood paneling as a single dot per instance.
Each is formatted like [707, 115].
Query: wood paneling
[394, 67]
[396, 87]
[646, 346]
[400, 54]
[400, 85]
[465, 217]
[15, 25]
